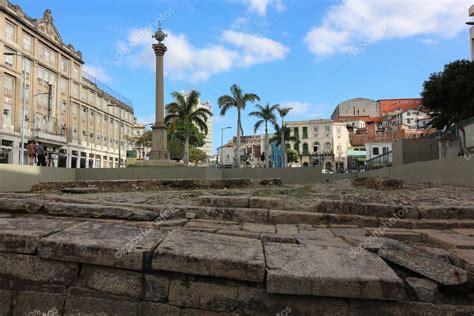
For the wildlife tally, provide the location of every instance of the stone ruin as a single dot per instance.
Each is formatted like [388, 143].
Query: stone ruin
[239, 248]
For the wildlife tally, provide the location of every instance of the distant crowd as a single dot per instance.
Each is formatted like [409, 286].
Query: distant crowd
[39, 155]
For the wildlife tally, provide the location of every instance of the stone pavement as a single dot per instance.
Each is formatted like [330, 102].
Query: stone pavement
[238, 251]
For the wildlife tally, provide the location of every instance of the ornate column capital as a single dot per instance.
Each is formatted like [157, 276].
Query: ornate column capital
[160, 49]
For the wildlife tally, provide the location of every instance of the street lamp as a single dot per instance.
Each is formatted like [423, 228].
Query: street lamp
[222, 144]
[22, 141]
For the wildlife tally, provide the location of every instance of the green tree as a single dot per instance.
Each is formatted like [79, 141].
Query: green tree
[176, 138]
[196, 155]
[237, 100]
[449, 95]
[292, 155]
[265, 114]
[184, 115]
[282, 111]
[283, 134]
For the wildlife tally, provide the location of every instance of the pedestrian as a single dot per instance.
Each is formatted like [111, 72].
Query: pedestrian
[55, 158]
[41, 161]
[30, 148]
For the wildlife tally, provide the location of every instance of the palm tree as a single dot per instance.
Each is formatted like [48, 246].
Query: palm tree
[282, 136]
[237, 100]
[266, 114]
[283, 112]
[183, 113]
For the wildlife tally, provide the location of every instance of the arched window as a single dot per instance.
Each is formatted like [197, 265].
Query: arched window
[327, 147]
[305, 149]
[316, 147]
[296, 147]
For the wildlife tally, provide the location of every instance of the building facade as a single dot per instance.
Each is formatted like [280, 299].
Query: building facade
[207, 147]
[322, 143]
[68, 111]
[357, 109]
[388, 106]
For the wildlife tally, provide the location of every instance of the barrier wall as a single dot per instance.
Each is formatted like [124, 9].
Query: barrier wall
[454, 171]
[18, 178]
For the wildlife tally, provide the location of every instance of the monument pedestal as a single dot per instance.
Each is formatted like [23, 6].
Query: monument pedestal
[159, 150]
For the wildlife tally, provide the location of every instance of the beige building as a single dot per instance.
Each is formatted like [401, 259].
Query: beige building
[67, 110]
[322, 143]
[207, 148]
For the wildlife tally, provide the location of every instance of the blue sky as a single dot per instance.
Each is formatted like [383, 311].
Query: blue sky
[308, 54]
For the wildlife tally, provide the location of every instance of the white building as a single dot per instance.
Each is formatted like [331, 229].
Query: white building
[376, 149]
[322, 143]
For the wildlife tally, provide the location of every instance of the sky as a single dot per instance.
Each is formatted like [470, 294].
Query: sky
[307, 54]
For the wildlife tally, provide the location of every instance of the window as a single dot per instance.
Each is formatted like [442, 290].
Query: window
[64, 63]
[75, 71]
[46, 54]
[10, 31]
[385, 150]
[296, 147]
[316, 130]
[63, 85]
[408, 121]
[63, 107]
[296, 132]
[327, 147]
[316, 147]
[327, 129]
[75, 90]
[375, 151]
[8, 88]
[305, 149]
[9, 56]
[27, 67]
[305, 132]
[27, 42]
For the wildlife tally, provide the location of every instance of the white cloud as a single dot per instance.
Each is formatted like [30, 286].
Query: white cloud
[304, 110]
[255, 49]
[98, 72]
[189, 63]
[352, 22]
[260, 7]
[297, 107]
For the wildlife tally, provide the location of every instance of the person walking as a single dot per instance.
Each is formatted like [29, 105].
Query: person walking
[41, 161]
[54, 158]
[31, 150]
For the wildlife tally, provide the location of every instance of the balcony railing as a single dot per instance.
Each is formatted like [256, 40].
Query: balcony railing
[107, 89]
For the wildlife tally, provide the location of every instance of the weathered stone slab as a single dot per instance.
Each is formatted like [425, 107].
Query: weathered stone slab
[21, 234]
[294, 217]
[98, 211]
[320, 237]
[32, 269]
[423, 263]
[447, 239]
[5, 302]
[259, 228]
[204, 295]
[30, 205]
[424, 289]
[210, 225]
[239, 233]
[211, 255]
[156, 287]
[110, 280]
[370, 243]
[463, 258]
[447, 212]
[80, 190]
[367, 209]
[157, 309]
[329, 271]
[403, 235]
[441, 224]
[98, 305]
[103, 244]
[224, 201]
[286, 229]
[38, 303]
[266, 237]
[349, 231]
[464, 231]
[266, 203]
[237, 214]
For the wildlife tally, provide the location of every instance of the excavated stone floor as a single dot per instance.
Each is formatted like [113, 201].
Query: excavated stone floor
[271, 249]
